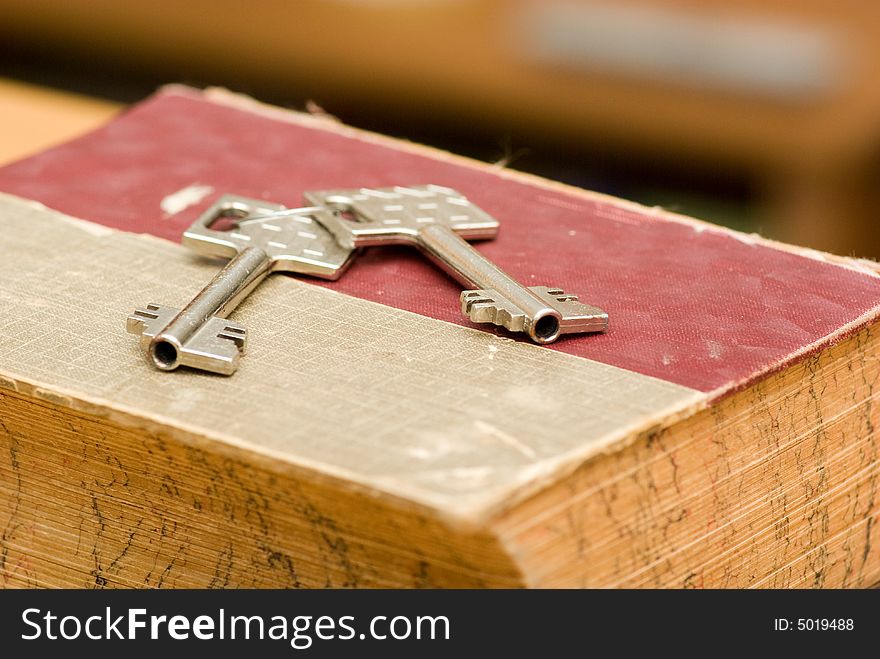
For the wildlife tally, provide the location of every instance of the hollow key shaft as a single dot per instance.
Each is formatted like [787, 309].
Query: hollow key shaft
[199, 335]
[438, 221]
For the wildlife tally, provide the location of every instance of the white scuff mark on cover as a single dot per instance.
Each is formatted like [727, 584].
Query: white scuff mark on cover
[433, 445]
[317, 111]
[745, 238]
[715, 349]
[179, 201]
[865, 266]
[506, 438]
[420, 452]
[531, 397]
[492, 351]
[666, 360]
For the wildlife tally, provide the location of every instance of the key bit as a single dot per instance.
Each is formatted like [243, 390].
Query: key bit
[214, 347]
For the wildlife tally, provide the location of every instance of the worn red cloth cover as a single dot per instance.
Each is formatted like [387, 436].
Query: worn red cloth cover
[699, 306]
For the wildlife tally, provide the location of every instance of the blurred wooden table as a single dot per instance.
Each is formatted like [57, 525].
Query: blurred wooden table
[33, 119]
[812, 164]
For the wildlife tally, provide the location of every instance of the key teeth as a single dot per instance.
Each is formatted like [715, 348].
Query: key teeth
[472, 299]
[137, 321]
[215, 347]
[485, 313]
[235, 333]
[149, 320]
[577, 317]
[486, 306]
[558, 294]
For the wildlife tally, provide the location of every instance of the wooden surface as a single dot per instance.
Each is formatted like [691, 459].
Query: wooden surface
[33, 118]
[810, 161]
[467, 56]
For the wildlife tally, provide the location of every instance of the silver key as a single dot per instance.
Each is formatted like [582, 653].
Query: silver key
[437, 220]
[264, 238]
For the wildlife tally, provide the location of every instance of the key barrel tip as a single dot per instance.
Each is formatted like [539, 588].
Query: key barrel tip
[545, 328]
[164, 353]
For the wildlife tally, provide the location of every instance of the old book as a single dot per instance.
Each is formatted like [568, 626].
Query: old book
[720, 434]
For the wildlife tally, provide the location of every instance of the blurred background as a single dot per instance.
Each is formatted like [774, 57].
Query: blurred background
[763, 115]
